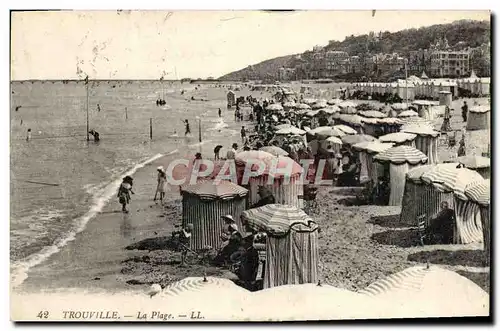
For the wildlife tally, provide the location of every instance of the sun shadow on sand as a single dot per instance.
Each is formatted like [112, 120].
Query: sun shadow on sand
[153, 244]
[470, 258]
[482, 279]
[387, 221]
[402, 238]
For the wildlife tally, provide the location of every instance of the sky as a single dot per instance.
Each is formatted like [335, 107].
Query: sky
[182, 44]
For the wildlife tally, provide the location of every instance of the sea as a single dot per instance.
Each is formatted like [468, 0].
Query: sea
[60, 181]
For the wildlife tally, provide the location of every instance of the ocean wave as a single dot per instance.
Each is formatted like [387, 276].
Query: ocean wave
[102, 194]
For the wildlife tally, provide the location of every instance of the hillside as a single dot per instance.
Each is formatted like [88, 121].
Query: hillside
[460, 35]
[265, 70]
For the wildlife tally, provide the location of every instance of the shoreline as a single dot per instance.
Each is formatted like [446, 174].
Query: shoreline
[97, 250]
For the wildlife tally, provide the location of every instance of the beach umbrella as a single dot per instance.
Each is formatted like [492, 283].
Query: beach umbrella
[479, 193]
[331, 109]
[456, 179]
[291, 244]
[399, 106]
[312, 113]
[421, 130]
[289, 104]
[275, 107]
[244, 157]
[309, 101]
[302, 106]
[319, 105]
[434, 175]
[474, 161]
[408, 113]
[422, 291]
[347, 104]
[207, 189]
[398, 138]
[290, 130]
[331, 141]
[197, 293]
[415, 121]
[277, 219]
[402, 154]
[354, 120]
[346, 129]
[372, 114]
[334, 101]
[326, 131]
[308, 302]
[357, 138]
[373, 146]
[274, 150]
[282, 126]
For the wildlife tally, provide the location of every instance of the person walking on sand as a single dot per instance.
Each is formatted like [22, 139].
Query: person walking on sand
[161, 181]
[124, 192]
[188, 129]
[28, 135]
[461, 146]
[220, 113]
[465, 109]
[217, 151]
[231, 154]
[243, 134]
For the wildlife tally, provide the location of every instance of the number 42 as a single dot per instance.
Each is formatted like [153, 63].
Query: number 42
[43, 314]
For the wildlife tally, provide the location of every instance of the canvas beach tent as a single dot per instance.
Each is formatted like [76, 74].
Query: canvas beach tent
[204, 204]
[479, 193]
[291, 246]
[401, 159]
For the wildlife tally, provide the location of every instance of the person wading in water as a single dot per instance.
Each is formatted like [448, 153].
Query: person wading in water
[188, 129]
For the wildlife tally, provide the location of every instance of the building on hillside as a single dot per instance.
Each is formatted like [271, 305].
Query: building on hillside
[449, 64]
[286, 74]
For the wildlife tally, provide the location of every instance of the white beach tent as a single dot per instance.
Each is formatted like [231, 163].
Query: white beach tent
[401, 159]
[426, 140]
[414, 192]
[478, 118]
[292, 255]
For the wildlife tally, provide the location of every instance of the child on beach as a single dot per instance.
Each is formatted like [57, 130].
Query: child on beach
[161, 180]
[184, 240]
[124, 192]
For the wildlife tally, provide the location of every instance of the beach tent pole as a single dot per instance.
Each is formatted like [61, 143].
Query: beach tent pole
[150, 128]
[199, 129]
[87, 85]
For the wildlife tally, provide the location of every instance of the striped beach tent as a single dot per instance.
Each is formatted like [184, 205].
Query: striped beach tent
[401, 159]
[453, 180]
[431, 196]
[431, 291]
[203, 205]
[399, 138]
[353, 121]
[291, 245]
[475, 162]
[281, 175]
[426, 140]
[366, 152]
[479, 193]
[411, 206]
[302, 106]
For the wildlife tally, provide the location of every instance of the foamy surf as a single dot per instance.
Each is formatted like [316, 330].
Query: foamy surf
[19, 269]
